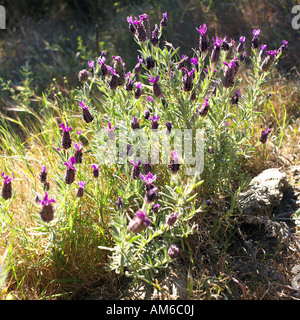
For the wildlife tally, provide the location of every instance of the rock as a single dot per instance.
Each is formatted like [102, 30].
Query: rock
[264, 192]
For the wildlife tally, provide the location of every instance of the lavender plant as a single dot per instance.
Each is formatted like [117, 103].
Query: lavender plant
[138, 209]
[200, 92]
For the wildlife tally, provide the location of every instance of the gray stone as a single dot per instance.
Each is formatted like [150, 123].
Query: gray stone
[264, 192]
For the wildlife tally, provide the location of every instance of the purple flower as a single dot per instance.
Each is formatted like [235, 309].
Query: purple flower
[43, 174]
[174, 165]
[215, 55]
[46, 201]
[138, 66]
[154, 37]
[129, 85]
[235, 98]
[95, 170]
[188, 80]
[154, 119]
[256, 32]
[156, 208]
[81, 184]
[129, 150]
[243, 56]
[270, 58]
[237, 92]
[7, 179]
[164, 20]
[208, 69]
[204, 108]
[171, 219]
[150, 99]
[230, 72]
[120, 203]
[203, 39]
[95, 166]
[188, 73]
[138, 90]
[135, 163]
[202, 30]
[80, 191]
[141, 30]
[135, 171]
[135, 124]
[242, 39]
[225, 44]
[138, 84]
[255, 40]
[112, 71]
[175, 154]
[240, 46]
[110, 132]
[151, 193]
[149, 63]
[83, 76]
[102, 53]
[134, 120]
[143, 216]
[118, 58]
[82, 105]
[149, 178]
[264, 135]
[101, 60]
[131, 26]
[78, 146]
[71, 163]
[66, 128]
[153, 80]
[283, 47]
[78, 152]
[156, 88]
[182, 62]
[86, 113]
[263, 47]
[218, 41]
[91, 64]
[169, 127]
[6, 191]
[194, 61]
[272, 53]
[139, 223]
[173, 251]
[103, 66]
[47, 211]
